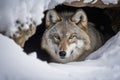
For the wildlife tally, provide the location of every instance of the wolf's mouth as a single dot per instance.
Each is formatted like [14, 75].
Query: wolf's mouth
[62, 57]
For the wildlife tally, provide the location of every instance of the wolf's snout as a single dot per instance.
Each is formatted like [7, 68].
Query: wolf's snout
[62, 54]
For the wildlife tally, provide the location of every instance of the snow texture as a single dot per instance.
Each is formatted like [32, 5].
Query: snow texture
[102, 65]
[27, 11]
[110, 2]
[104, 1]
[24, 11]
[16, 65]
[90, 1]
[53, 3]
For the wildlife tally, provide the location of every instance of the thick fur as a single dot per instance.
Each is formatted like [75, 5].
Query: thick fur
[72, 33]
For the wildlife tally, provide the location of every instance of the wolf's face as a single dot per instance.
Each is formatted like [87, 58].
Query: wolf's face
[65, 37]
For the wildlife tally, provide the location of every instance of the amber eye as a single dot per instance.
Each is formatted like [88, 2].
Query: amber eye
[72, 36]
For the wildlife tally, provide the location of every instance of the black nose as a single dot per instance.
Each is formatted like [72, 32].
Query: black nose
[62, 54]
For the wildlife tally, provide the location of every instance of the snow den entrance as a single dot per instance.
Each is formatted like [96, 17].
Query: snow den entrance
[102, 18]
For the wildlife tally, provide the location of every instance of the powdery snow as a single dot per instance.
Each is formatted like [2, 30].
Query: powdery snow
[28, 10]
[110, 2]
[16, 65]
[90, 1]
[54, 3]
[104, 1]
[23, 10]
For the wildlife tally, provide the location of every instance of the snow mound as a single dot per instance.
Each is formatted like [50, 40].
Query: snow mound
[16, 65]
[27, 12]
[110, 2]
[104, 1]
[24, 11]
[102, 65]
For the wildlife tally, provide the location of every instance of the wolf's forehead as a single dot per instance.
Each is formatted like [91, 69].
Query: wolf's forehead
[65, 28]
[64, 31]
[65, 25]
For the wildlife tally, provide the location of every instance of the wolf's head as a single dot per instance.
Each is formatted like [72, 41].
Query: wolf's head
[66, 36]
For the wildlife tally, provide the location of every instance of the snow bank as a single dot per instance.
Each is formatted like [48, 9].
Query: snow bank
[102, 65]
[24, 11]
[16, 65]
[110, 2]
[104, 1]
[27, 11]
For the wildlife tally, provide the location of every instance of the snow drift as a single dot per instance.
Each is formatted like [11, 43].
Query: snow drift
[28, 10]
[101, 65]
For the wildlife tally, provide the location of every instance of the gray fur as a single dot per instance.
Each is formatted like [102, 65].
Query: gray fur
[63, 25]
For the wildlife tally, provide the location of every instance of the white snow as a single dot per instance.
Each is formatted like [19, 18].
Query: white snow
[110, 1]
[87, 1]
[54, 3]
[28, 11]
[102, 65]
[104, 1]
[16, 65]
[90, 1]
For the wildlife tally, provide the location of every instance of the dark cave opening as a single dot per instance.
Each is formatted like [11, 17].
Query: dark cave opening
[95, 15]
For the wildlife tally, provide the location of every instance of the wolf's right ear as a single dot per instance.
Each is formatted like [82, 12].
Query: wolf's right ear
[80, 18]
[51, 18]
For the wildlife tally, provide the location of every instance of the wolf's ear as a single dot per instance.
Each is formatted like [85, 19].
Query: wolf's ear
[51, 17]
[80, 18]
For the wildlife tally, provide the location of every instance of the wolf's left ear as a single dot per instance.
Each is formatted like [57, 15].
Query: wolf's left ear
[51, 18]
[80, 18]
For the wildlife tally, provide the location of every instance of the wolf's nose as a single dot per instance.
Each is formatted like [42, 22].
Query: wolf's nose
[62, 54]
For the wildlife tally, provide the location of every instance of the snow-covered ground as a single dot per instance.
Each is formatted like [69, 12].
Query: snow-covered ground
[104, 64]
[16, 65]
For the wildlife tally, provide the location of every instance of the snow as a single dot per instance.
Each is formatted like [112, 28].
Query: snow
[28, 11]
[104, 1]
[110, 1]
[87, 1]
[103, 64]
[54, 3]
[92, 1]
[16, 65]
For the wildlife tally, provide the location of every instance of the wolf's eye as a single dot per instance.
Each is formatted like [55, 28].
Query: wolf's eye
[72, 36]
[56, 37]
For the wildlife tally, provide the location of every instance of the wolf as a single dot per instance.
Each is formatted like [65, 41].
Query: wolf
[69, 36]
